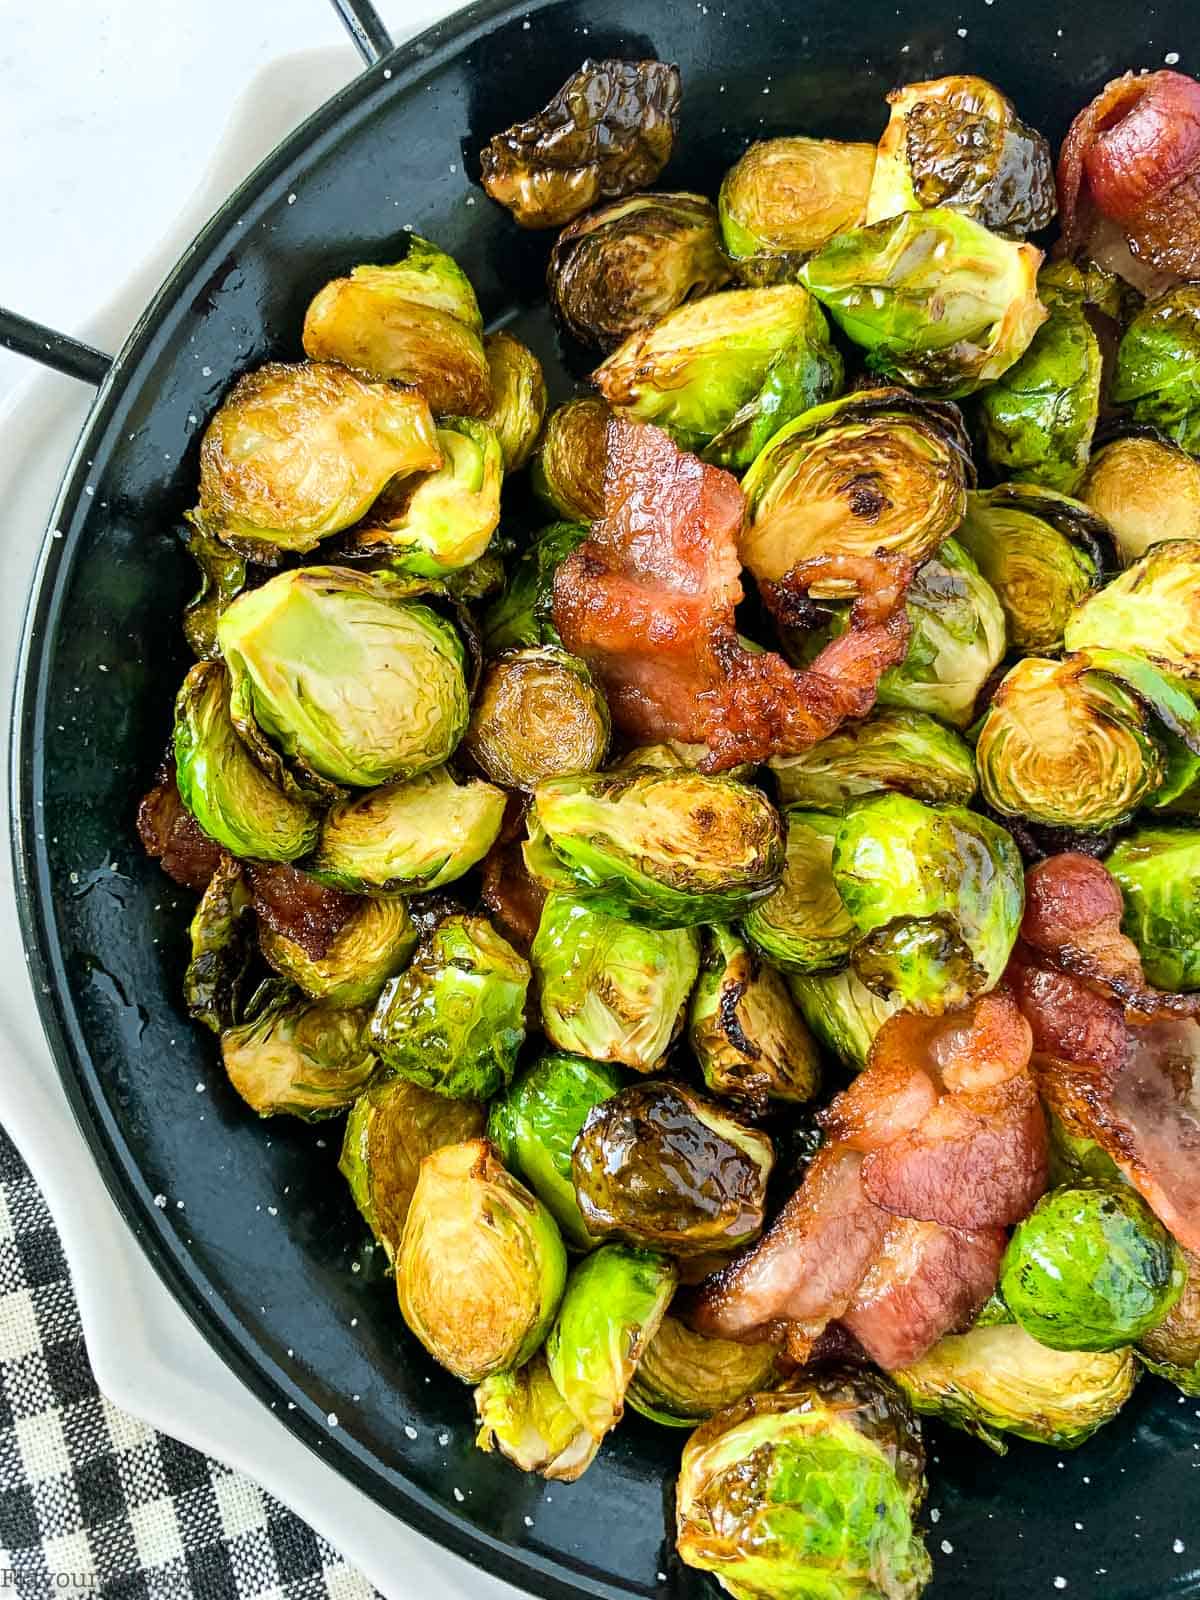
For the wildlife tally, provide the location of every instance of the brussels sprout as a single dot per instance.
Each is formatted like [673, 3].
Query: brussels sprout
[684, 1378]
[481, 1267]
[233, 801]
[405, 838]
[1172, 1348]
[222, 579]
[807, 1491]
[375, 942]
[524, 613]
[522, 1414]
[391, 1128]
[1091, 1268]
[1157, 374]
[1038, 418]
[843, 1013]
[671, 849]
[785, 197]
[904, 750]
[618, 269]
[936, 301]
[455, 1020]
[611, 990]
[295, 453]
[307, 1059]
[220, 935]
[567, 470]
[518, 397]
[937, 892]
[416, 321]
[1152, 610]
[744, 1029]
[998, 1380]
[876, 471]
[958, 142]
[1158, 870]
[346, 675]
[803, 926]
[659, 1165]
[1146, 492]
[534, 1123]
[444, 520]
[538, 715]
[1066, 747]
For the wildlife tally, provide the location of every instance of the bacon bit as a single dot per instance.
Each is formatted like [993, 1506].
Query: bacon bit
[171, 834]
[513, 897]
[299, 908]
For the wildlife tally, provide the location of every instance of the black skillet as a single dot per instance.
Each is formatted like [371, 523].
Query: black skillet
[105, 931]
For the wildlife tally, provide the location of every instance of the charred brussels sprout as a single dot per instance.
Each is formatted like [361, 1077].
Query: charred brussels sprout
[1151, 610]
[481, 1267]
[220, 935]
[367, 950]
[524, 614]
[1158, 366]
[1172, 1348]
[518, 397]
[307, 1059]
[1146, 492]
[744, 1029]
[936, 301]
[1158, 870]
[843, 1013]
[661, 1166]
[611, 990]
[539, 714]
[958, 142]
[785, 197]
[345, 675]
[1091, 1268]
[671, 849]
[807, 1490]
[405, 838]
[455, 1020]
[684, 1378]
[222, 579]
[903, 750]
[567, 471]
[522, 1414]
[803, 926]
[617, 269]
[296, 453]
[416, 321]
[936, 892]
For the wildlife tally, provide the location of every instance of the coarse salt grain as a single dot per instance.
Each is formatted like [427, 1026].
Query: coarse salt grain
[1060, 1583]
[1179, 1545]
[409, 1431]
[947, 1548]
[331, 1419]
[458, 1494]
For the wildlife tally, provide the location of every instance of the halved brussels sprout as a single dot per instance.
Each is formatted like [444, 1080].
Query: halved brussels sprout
[937, 893]
[997, 1380]
[222, 579]
[370, 947]
[481, 1268]
[391, 1128]
[524, 613]
[307, 1059]
[408, 837]
[619, 268]
[416, 321]
[903, 750]
[455, 1020]
[1158, 870]
[220, 932]
[684, 1378]
[346, 675]
[1065, 746]
[783, 198]
[522, 1414]
[670, 849]
[609, 989]
[936, 301]
[295, 453]
[1151, 610]
[539, 714]
[803, 926]
[567, 470]
[659, 1165]
[518, 397]
[1091, 1268]
[1171, 1350]
[1145, 491]
[842, 1012]
[1157, 374]
[807, 1490]
[745, 1031]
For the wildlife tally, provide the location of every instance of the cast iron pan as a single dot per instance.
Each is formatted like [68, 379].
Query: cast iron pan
[249, 1223]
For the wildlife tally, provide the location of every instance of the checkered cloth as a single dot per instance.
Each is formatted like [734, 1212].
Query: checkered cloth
[92, 1502]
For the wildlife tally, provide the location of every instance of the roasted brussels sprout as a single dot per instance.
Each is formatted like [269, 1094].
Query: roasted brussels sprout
[958, 142]
[222, 579]
[405, 838]
[998, 1380]
[807, 1490]
[936, 301]
[481, 1267]
[455, 1020]
[659, 1165]
[684, 1378]
[1157, 373]
[608, 989]
[903, 750]
[843, 1013]
[538, 715]
[518, 397]
[1158, 870]
[1091, 1268]
[1145, 491]
[670, 849]
[416, 321]
[308, 1059]
[295, 453]
[744, 1029]
[567, 471]
[372, 945]
[391, 1128]
[220, 935]
[347, 676]
[522, 1414]
[523, 614]
[785, 197]
[1152, 610]
[608, 131]
[619, 268]
[803, 926]
[1172, 1348]
[936, 892]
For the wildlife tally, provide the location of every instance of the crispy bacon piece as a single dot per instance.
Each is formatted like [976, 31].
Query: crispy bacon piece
[514, 898]
[298, 907]
[171, 834]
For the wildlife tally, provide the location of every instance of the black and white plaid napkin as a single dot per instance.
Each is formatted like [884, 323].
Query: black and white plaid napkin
[93, 1502]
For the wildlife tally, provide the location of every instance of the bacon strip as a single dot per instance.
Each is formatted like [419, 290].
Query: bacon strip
[299, 908]
[171, 834]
